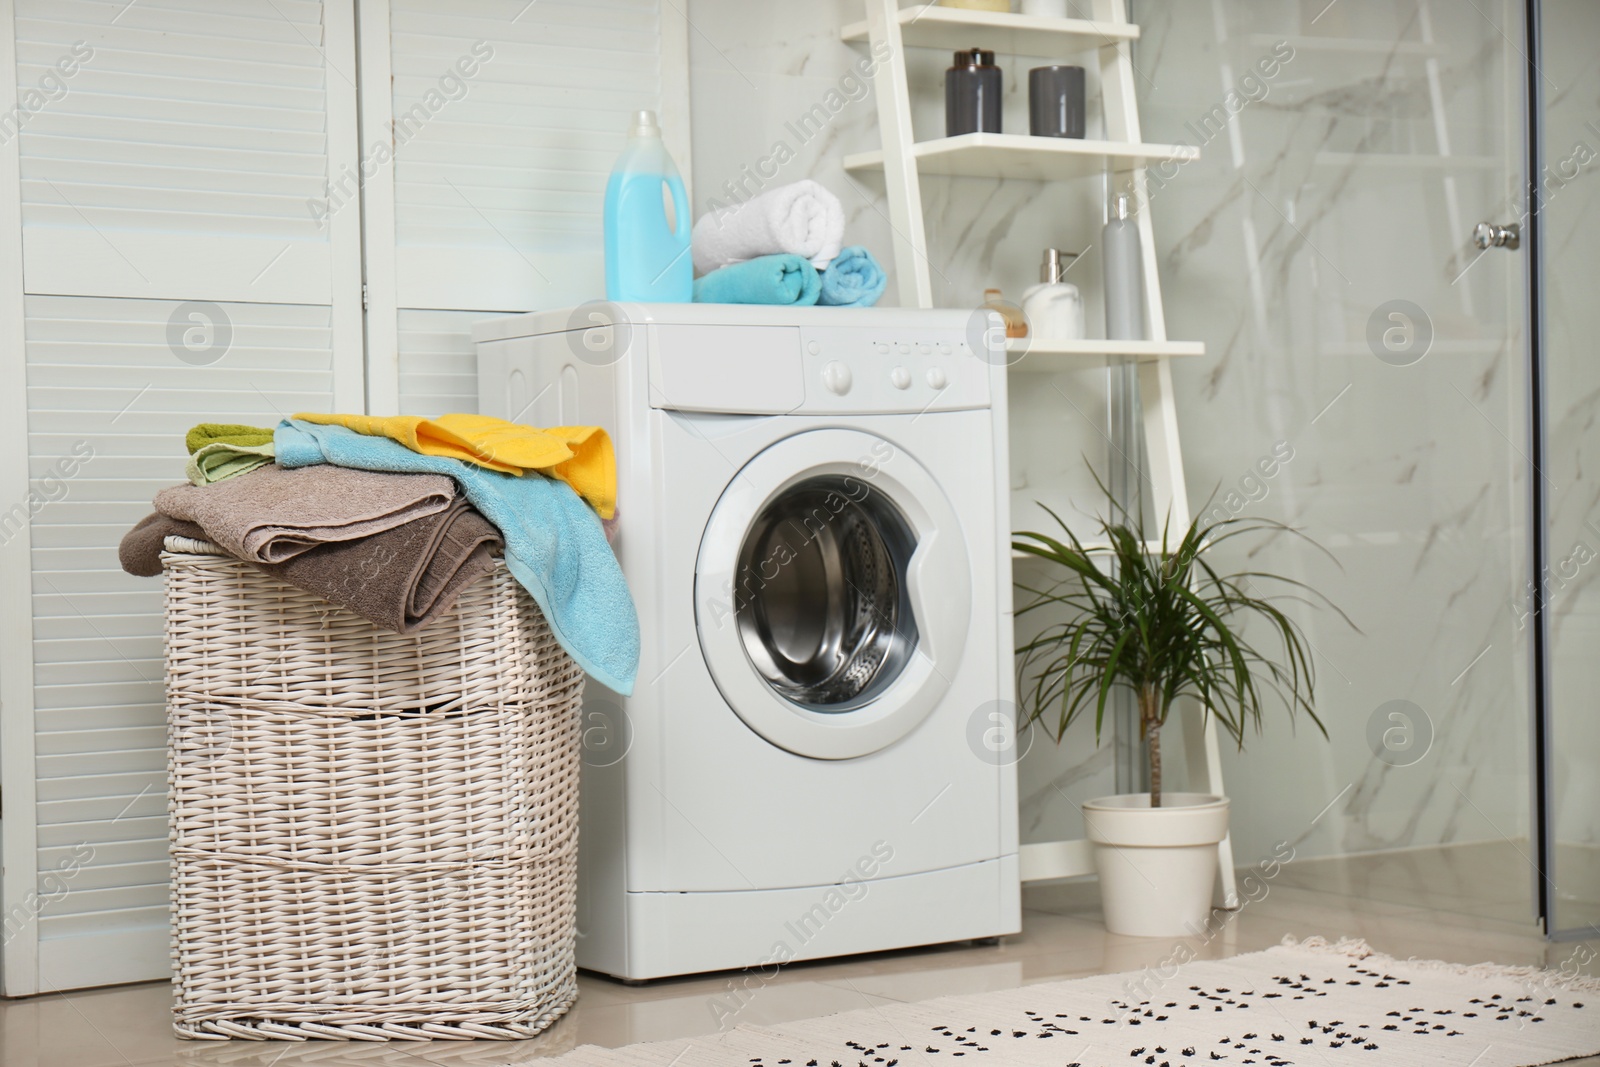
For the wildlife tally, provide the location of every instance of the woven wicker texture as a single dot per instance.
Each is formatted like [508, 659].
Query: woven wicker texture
[373, 836]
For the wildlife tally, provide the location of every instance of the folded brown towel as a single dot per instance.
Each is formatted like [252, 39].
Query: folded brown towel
[273, 514]
[402, 579]
[140, 550]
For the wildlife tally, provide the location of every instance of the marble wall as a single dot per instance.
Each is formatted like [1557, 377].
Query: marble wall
[1318, 203]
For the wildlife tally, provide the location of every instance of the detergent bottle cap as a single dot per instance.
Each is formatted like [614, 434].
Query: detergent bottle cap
[645, 125]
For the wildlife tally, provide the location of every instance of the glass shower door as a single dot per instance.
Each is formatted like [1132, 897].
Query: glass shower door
[1568, 250]
[1322, 247]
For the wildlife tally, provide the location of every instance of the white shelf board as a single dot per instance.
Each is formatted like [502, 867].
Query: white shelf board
[1373, 46]
[1041, 357]
[930, 26]
[1012, 155]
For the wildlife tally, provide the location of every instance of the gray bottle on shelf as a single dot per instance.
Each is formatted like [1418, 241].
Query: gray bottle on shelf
[1124, 275]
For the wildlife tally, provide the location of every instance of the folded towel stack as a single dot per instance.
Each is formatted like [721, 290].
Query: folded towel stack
[402, 579]
[554, 544]
[783, 247]
[393, 517]
[275, 514]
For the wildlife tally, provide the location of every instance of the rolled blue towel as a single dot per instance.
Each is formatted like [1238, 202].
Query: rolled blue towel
[782, 279]
[853, 280]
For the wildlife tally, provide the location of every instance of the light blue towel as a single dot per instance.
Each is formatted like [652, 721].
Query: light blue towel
[554, 543]
[853, 280]
[782, 279]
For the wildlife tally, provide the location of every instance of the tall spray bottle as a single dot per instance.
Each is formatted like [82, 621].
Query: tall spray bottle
[647, 222]
[1124, 274]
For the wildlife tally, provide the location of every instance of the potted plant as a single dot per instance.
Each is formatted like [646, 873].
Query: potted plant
[1158, 620]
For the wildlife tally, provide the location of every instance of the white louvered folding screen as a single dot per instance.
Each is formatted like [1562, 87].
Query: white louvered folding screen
[104, 387]
[191, 195]
[504, 135]
[173, 271]
[438, 364]
[186, 120]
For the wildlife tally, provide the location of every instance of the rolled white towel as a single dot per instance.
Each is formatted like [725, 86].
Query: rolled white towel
[802, 219]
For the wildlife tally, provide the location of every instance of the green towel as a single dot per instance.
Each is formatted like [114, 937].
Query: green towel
[220, 460]
[225, 433]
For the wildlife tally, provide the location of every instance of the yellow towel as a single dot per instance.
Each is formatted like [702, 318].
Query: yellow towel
[581, 456]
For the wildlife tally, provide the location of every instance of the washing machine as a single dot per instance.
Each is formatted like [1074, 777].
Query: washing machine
[813, 519]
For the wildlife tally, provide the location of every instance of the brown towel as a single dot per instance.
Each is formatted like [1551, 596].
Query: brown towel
[402, 579]
[140, 550]
[273, 514]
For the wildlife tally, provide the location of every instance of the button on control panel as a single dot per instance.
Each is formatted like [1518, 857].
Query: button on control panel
[837, 377]
[881, 371]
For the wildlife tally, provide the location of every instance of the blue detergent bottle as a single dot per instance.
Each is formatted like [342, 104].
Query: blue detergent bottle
[647, 222]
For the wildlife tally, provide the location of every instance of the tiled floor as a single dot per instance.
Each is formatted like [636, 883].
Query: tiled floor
[1405, 905]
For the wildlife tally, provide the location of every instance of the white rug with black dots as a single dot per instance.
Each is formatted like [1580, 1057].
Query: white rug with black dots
[1300, 1003]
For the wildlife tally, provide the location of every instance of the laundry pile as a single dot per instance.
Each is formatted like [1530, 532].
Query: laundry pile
[783, 247]
[393, 517]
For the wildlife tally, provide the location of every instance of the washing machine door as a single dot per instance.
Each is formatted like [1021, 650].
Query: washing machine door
[833, 593]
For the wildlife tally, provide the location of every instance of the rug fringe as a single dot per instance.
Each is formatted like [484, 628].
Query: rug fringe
[1356, 948]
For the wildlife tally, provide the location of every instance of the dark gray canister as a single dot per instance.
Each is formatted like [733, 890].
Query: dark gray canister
[1056, 102]
[972, 89]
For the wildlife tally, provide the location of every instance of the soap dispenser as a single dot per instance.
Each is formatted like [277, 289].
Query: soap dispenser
[1054, 307]
[647, 224]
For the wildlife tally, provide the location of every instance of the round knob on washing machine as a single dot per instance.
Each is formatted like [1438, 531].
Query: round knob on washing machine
[836, 377]
[936, 377]
[901, 378]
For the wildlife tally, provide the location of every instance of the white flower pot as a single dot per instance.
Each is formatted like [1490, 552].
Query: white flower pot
[1156, 865]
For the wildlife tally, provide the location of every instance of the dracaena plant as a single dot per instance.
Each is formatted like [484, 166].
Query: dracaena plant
[1157, 619]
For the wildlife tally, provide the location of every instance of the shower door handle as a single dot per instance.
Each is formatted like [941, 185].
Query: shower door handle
[1487, 235]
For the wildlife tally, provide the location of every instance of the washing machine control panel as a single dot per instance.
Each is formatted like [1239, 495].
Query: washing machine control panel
[864, 371]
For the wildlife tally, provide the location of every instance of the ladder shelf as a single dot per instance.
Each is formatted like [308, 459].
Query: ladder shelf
[890, 30]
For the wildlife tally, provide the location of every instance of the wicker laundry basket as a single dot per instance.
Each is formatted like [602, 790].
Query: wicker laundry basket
[373, 836]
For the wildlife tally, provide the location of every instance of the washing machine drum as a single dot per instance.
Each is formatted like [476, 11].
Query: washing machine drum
[833, 594]
[821, 598]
